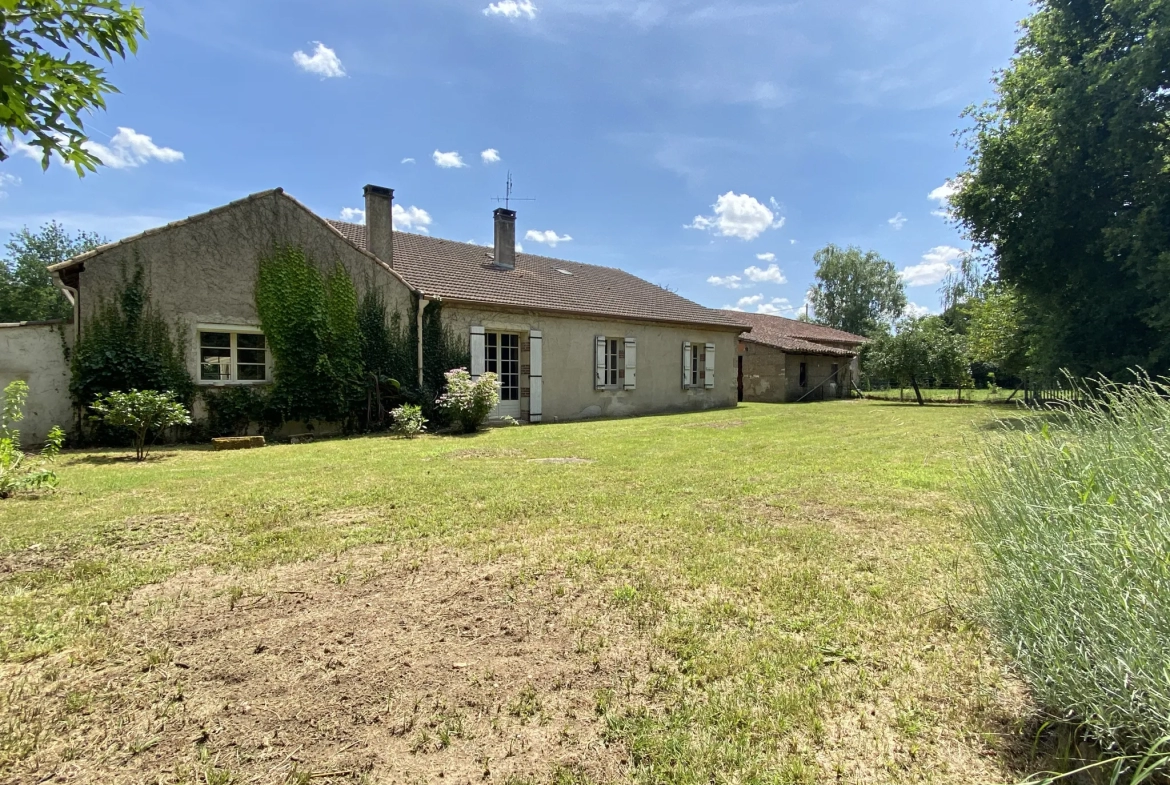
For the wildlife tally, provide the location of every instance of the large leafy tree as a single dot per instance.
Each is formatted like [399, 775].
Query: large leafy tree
[26, 288]
[1068, 185]
[856, 291]
[921, 349]
[44, 87]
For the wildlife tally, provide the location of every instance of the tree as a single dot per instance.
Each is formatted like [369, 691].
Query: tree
[996, 333]
[921, 349]
[27, 293]
[1067, 185]
[43, 89]
[142, 411]
[858, 292]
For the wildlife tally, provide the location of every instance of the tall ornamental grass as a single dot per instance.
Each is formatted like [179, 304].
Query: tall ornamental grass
[1071, 516]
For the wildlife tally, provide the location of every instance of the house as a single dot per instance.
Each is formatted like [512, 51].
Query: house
[788, 360]
[567, 340]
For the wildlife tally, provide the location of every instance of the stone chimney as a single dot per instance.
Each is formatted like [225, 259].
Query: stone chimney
[505, 238]
[380, 222]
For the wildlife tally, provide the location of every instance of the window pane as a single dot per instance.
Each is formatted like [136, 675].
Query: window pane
[219, 340]
[249, 341]
[251, 373]
[215, 365]
[252, 356]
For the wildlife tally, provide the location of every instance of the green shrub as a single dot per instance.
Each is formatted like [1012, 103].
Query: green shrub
[17, 472]
[128, 345]
[468, 402]
[1071, 517]
[408, 421]
[141, 411]
[232, 410]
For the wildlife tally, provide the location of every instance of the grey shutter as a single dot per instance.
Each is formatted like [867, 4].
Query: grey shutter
[478, 352]
[631, 363]
[686, 357]
[535, 376]
[709, 370]
[599, 362]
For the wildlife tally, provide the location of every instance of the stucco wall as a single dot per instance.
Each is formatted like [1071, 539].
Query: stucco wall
[568, 358]
[764, 374]
[34, 354]
[204, 271]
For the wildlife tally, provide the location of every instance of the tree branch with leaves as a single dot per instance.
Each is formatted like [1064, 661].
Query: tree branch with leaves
[44, 88]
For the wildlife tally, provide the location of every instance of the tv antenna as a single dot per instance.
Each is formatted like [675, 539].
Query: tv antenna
[507, 199]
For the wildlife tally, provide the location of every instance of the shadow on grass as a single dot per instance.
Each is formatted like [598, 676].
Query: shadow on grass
[112, 458]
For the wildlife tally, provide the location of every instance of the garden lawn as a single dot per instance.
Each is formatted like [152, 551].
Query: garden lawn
[782, 593]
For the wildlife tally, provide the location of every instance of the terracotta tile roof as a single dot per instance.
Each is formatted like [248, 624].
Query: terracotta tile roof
[791, 335]
[463, 271]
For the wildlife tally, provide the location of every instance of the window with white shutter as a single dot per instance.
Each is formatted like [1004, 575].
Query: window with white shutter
[599, 347]
[686, 364]
[536, 376]
[631, 363]
[709, 367]
[478, 352]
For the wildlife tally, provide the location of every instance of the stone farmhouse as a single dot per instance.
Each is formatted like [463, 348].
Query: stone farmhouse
[786, 360]
[567, 340]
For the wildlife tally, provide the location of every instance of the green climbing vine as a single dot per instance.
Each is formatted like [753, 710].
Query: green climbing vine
[311, 322]
[128, 345]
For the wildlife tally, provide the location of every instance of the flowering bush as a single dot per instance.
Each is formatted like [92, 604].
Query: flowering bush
[17, 473]
[142, 411]
[468, 401]
[408, 421]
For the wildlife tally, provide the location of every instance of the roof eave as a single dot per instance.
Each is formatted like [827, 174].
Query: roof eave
[449, 300]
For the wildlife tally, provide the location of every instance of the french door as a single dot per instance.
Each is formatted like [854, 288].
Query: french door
[502, 357]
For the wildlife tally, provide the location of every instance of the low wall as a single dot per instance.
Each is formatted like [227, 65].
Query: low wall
[33, 352]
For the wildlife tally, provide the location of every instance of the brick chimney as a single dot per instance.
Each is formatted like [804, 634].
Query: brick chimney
[380, 222]
[505, 238]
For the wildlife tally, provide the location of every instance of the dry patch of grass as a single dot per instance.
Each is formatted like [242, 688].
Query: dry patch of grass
[774, 594]
[351, 670]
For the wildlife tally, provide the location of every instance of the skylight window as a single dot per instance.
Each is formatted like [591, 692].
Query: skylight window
[562, 272]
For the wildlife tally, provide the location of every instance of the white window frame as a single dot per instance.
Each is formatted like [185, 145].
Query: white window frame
[615, 362]
[234, 330]
[696, 369]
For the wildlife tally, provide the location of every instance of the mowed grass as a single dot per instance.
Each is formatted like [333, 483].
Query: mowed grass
[801, 566]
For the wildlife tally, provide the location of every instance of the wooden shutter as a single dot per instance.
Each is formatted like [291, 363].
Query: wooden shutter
[478, 352]
[686, 363]
[535, 376]
[599, 362]
[709, 369]
[631, 363]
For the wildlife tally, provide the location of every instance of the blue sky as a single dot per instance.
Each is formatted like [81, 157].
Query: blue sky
[695, 143]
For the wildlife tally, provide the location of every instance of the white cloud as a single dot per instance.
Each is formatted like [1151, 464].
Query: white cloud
[450, 160]
[24, 148]
[738, 215]
[936, 264]
[766, 257]
[519, 248]
[7, 181]
[792, 242]
[490, 155]
[513, 9]
[730, 281]
[779, 306]
[916, 311]
[128, 149]
[411, 217]
[407, 160]
[897, 222]
[943, 195]
[404, 218]
[324, 62]
[549, 237]
[771, 275]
